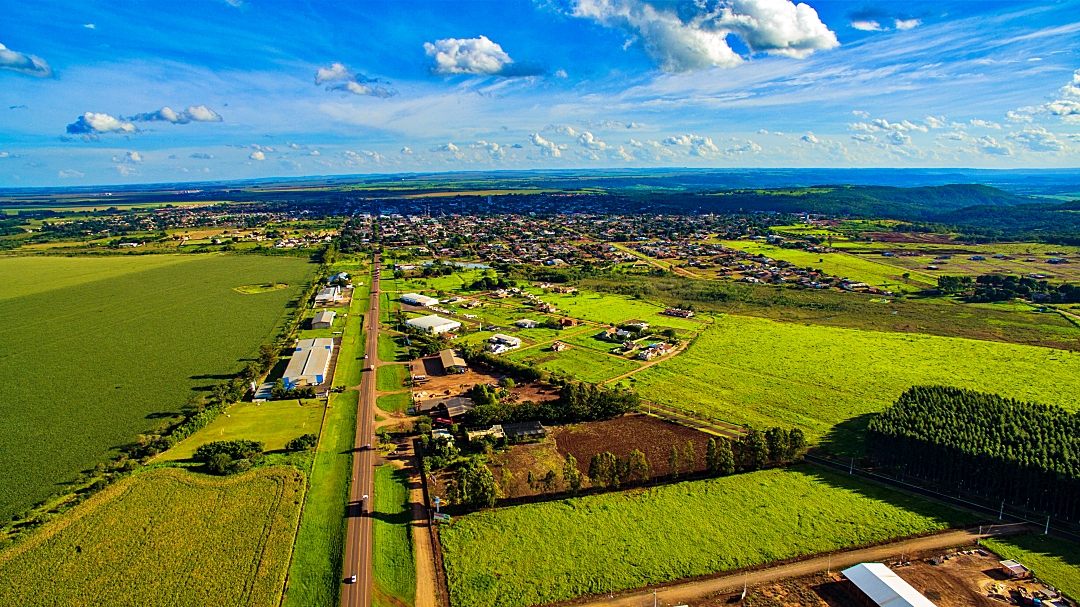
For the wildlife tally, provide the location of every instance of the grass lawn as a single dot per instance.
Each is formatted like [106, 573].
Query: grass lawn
[1054, 561]
[274, 423]
[392, 561]
[579, 363]
[315, 574]
[119, 344]
[350, 363]
[391, 348]
[762, 372]
[391, 377]
[163, 537]
[600, 307]
[616, 541]
[395, 402]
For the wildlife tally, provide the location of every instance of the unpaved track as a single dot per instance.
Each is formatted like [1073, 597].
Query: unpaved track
[687, 592]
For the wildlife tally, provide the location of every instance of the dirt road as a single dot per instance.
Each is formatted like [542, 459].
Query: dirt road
[688, 592]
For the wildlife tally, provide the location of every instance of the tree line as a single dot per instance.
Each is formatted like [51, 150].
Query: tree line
[576, 403]
[1024, 453]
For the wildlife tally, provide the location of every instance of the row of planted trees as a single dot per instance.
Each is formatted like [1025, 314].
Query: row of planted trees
[475, 486]
[1026, 454]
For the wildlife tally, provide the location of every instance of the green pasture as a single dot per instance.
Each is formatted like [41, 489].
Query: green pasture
[316, 570]
[395, 402]
[828, 380]
[1054, 561]
[108, 348]
[391, 348]
[392, 562]
[163, 537]
[338, 326]
[274, 423]
[600, 307]
[578, 363]
[350, 362]
[616, 541]
[389, 378]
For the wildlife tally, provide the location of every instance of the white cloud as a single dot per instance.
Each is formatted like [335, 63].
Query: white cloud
[126, 170]
[90, 26]
[989, 145]
[361, 89]
[864, 138]
[1038, 139]
[810, 138]
[70, 174]
[314, 153]
[257, 155]
[935, 122]
[130, 158]
[202, 156]
[879, 125]
[1012, 116]
[406, 150]
[985, 124]
[476, 56]
[693, 36]
[1067, 109]
[548, 148]
[589, 141]
[560, 74]
[262, 148]
[340, 78]
[562, 129]
[906, 24]
[698, 145]
[492, 148]
[194, 113]
[23, 63]
[91, 123]
[867, 26]
[624, 155]
[5, 155]
[748, 147]
[334, 73]
[899, 138]
[861, 114]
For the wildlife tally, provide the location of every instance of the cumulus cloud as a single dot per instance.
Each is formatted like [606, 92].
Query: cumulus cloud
[130, 158]
[475, 56]
[23, 63]
[202, 156]
[89, 26]
[935, 122]
[194, 113]
[880, 125]
[5, 155]
[810, 138]
[864, 138]
[314, 153]
[126, 170]
[985, 124]
[694, 36]
[257, 155]
[492, 148]
[337, 77]
[624, 155]
[861, 114]
[867, 26]
[92, 123]
[589, 141]
[906, 24]
[1012, 116]
[547, 148]
[406, 150]
[899, 138]
[70, 174]
[610, 124]
[1038, 139]
[747, 147]
[989, 145]
[1067, 107]
[450, 149]
[562, 129]
[698, 145]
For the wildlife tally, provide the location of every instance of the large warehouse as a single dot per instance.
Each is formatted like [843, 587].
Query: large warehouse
[876, 584]
[434, 324]
[309, 363]
[418, 300]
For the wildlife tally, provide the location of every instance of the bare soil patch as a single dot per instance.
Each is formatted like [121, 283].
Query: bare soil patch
[621, 435]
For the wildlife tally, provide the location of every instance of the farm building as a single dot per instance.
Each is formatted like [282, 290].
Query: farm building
[414, 299]
[653, 350]
[876, 584]
[434, 324]
[452, 363]
[527, 323]
[678, 312]
[637, 324]
[445, 406]
[500, 343]
[323, 320]
[558, 346]
[309, 363]
[1014, 569]
[524, 430]
[495, 431]
[340, 277]
[329, 296]
[568, 322]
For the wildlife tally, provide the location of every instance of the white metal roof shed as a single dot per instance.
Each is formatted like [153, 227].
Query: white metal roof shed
[433, 323]
[884, 587]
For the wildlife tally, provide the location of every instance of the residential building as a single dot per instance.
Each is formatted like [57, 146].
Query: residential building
[526, 323]
[329, 296]
[323, 320]
[500, 343]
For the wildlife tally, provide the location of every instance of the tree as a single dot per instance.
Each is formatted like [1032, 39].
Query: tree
[219, 463]
[506, 382]
[550, 481]
[475, 486]
[637, 466]
[507, 483]
[688, 457]
[532, 480]
[725, 459]
[604, 470]
[673, 462]
[777, 441]
[571, 474]
[753, 450]
[796, 443]
[712, 457]
[302, 442]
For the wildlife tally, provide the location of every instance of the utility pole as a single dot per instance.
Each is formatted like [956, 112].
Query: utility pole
[1002, 511]
[851, 468]
[654, 598]
[828, 569]
[1047, 531]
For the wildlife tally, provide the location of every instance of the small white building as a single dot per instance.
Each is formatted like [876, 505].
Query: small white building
[527, 323]
[323, 320]
[500, 343]
[309, 363]
[434, 324]
[329, 296]
[415, 299]
[882, 586]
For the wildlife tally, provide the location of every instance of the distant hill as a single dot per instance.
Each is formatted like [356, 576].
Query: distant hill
[1040, 221]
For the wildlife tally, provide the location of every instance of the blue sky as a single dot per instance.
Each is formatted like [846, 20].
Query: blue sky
[125, 92]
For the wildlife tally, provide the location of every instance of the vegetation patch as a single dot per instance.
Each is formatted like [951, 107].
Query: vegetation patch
[274, 423]
[263, 288]
[165, 536]
[1054, 561]
[389, 378]
[395, 402]
[577, 363]
[392, 561]
[616, 541]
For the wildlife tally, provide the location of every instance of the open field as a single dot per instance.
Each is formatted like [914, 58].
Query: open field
[1054, 561]
[821, 379]
[599, 307]
[653, 436]
[391, 348]
[392, 562]
[579, 363]
[391, 377]
[615, 541]
[350, 364]
[163, 537]
[274, 423]
[395, 402]
[315, 574]
[91, 363]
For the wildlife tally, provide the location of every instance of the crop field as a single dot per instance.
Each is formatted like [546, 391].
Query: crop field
[821, 379]
[392, 562]
[600, 307]
[1054, 561]
[579, 363]
[391, 377]
[316, 570]
[871, 271]
[395, 402]
[164, 536]
[274, 423]
[616, 541]
[107, 348]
